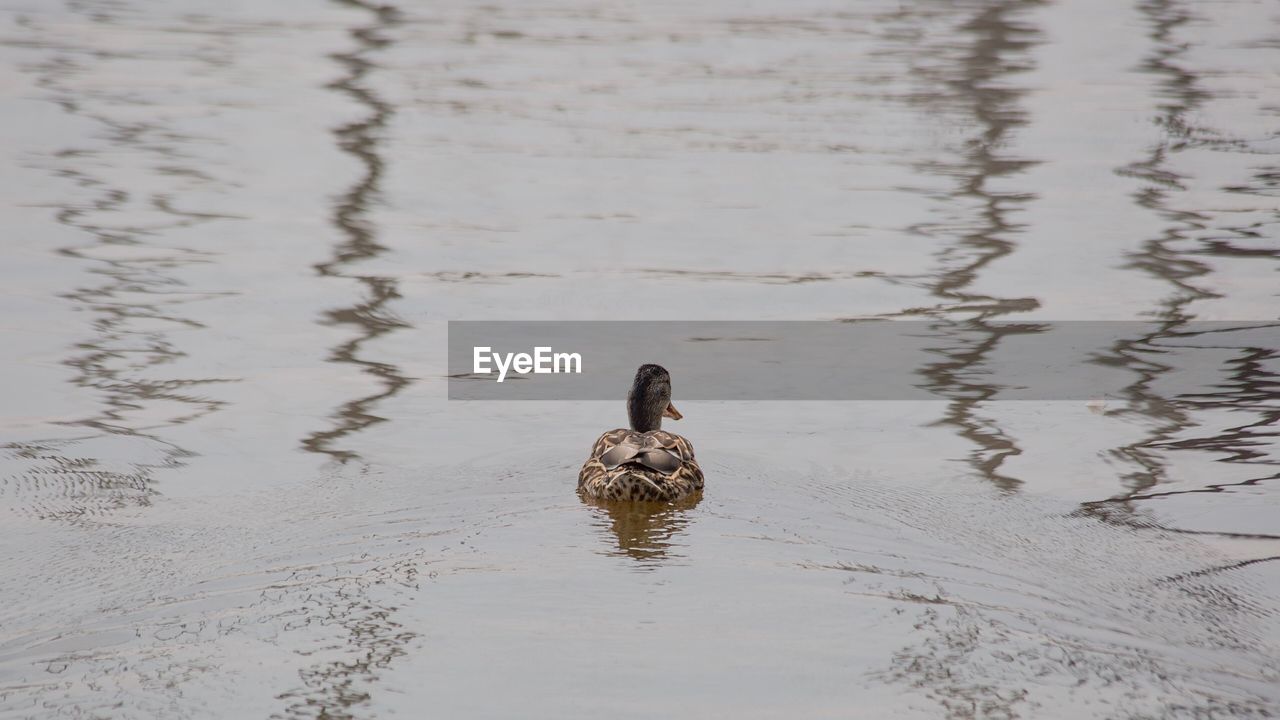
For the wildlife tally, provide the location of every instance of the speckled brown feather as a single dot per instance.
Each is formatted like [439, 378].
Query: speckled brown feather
[634, 481]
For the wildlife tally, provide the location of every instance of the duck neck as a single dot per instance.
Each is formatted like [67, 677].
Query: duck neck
[644, 410]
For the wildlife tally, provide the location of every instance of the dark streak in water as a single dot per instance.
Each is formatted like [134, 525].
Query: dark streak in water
[339, 689]
[959, 376]
[370, 317]
[1222, 568]
[1159, 259]
[1253, 387]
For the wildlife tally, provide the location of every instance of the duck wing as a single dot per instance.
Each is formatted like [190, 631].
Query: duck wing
[656, 450]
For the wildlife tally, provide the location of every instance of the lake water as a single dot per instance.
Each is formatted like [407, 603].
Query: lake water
[232, 484]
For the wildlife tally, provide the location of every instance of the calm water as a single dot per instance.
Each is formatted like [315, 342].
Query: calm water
[231, 484]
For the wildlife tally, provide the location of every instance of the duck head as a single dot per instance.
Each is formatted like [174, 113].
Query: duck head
[650, 399]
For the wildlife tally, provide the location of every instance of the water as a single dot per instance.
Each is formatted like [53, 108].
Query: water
[232, 485]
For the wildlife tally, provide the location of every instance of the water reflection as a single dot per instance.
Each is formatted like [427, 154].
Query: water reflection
[371, 317]
[1158, 257]
[136, 296]
[1175, 258]
[978, 82]
[960, 378]
[644, 531]
[1248, 389]
[374, 638]
[1252, 389]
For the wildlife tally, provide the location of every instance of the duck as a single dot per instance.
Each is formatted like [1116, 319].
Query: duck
[643, 462]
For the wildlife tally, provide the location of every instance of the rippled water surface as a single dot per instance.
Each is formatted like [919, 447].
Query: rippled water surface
[231, 484]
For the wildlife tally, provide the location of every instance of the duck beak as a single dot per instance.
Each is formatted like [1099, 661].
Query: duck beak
[672, 412]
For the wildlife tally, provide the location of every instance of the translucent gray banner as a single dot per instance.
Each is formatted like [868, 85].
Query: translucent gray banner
[863, 360]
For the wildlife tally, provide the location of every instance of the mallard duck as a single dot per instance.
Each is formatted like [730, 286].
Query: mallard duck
[643, 462]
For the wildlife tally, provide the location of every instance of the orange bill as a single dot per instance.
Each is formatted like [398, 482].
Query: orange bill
[672, 412]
